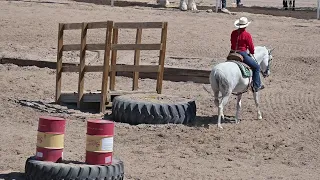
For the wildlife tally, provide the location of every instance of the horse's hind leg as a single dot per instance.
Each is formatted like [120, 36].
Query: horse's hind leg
[223, 102]
[216, 98]
[256, 100]
[238, 108]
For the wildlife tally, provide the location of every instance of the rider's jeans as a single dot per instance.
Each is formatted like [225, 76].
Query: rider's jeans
[255, 68]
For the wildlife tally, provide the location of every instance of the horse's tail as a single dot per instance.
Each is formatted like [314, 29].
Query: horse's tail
[218, 81]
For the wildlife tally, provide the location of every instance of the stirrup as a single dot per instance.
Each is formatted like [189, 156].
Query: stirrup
[257, 89]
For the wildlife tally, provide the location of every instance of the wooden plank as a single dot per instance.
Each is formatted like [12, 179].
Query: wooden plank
[106, 66]
[114, 59]
[70, 69]
[138, 25]
[115, 68]
[162, 57]
[90, 47]
[120, 92]
[71, 97]
[93, 68]
[82, 63]
[136, 46]
[186, 72]
[68, 98]
[86, 68]
[97, 25]
[71, 26]
[169, 77]
[94, 47]
[135, 85]
[135, 68]
[59, 63]
[71, 47]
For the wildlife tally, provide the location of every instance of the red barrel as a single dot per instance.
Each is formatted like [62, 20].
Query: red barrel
[53, 155]
[50, 139]
[53, 125]
[99, 145]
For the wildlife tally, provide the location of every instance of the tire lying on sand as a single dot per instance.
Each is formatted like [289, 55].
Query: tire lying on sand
[153, 109]
[44, 170]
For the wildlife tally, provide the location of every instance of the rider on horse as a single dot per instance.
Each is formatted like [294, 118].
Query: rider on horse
[241, 41]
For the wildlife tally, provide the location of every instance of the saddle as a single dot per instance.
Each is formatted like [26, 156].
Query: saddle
[237, 58]
[234, 55]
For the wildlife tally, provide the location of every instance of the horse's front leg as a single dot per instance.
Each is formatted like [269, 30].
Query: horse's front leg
[256, 100]
[192, 5]
[183, 5]
[238, 108]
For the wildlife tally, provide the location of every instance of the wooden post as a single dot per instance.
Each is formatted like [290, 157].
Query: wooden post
[106, 67]
[59, 62]
[82, 63]
[136, 60]
[318, 10]
[113, 60]
[162, 57]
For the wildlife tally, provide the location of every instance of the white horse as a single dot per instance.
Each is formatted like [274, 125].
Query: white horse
[191, 5]
[226, 79]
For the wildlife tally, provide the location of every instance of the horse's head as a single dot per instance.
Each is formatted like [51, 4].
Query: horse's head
[266, 63]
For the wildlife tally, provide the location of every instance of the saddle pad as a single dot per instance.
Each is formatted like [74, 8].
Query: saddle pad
[245, 70]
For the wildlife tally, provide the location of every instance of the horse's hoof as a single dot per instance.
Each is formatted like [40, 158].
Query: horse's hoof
[260, 118]
[219, 126]
[237, 121]
[192, 7]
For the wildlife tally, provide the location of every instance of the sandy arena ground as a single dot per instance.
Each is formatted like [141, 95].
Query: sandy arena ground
[284, 145]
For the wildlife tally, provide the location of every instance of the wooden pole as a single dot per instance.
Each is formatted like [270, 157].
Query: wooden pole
[318, 10]
[59, 63]
[82, 63]
[106, 67]
[162, 57]
[114, 60]
[136, 60]
[217, 5]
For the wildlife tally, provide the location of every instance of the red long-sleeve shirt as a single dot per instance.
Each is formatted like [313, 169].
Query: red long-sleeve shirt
[244, 42]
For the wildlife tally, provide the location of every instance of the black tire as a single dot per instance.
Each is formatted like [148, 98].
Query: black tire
[135, 109]
[44, 170]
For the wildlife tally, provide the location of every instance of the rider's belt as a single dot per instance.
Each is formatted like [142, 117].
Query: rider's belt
[233, 51]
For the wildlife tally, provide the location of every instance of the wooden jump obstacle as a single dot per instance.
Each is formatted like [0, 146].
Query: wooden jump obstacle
[109, 67]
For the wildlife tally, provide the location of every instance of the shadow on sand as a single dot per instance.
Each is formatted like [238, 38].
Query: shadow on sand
[205, 121]
[200, 121]
[12, 175]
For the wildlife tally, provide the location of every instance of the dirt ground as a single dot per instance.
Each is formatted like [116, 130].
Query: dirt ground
[284, 145]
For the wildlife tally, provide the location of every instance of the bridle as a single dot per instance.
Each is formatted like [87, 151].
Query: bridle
[265, 74]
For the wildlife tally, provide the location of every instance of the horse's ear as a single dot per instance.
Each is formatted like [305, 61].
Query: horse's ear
[270, 50]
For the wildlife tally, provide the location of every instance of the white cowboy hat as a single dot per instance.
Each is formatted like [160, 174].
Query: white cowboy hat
[242, 22]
